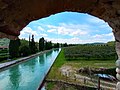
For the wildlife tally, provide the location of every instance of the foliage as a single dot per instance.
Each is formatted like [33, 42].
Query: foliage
[50, 85]
[4, 57]
[48, 45]
[14, 48]
[32, 46]
[4, 42]
[56, 45]
[41, 44]
[4, 51]
[65, 45]
[101, 52]
[24, 50]
[24, 42]
[111, 43]
[4, 54]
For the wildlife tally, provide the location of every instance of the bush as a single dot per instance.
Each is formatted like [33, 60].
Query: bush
[24, 50]
[5, 57]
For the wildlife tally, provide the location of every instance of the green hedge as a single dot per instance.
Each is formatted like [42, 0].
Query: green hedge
[5, 57]
[4, 51]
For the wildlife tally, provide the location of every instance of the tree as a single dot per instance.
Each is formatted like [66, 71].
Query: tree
[14, 48]
[29, 41]
[48, 45]
[65, 45]
[32, 46]
[41, 44]
[56, 45]
[24, 50]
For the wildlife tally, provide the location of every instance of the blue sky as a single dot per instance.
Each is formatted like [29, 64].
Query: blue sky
[69, 27]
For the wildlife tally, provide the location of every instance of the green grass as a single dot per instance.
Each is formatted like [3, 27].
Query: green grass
[50, 85]
[54, 72]
[91, 63]
[60, 61]
[61, 86]
[76, 65]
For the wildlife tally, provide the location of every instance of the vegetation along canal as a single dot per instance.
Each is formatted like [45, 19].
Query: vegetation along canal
[28, 75]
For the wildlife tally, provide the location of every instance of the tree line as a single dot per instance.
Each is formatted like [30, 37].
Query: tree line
[21, 48]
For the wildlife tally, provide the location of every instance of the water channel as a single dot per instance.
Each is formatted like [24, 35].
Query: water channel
[28, 75]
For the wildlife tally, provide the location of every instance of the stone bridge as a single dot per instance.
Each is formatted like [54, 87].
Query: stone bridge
[16, 14]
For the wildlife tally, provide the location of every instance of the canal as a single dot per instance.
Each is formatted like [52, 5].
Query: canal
[28, 75]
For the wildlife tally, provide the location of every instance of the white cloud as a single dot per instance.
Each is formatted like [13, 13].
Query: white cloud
[38, 33]
[95, 20]
[76, 40]
[99, 22]
[69, 29]
[61, 40]
[103, 35]
[40, 28]
[79, 32]
[52, 30]
[73, 30]
[28, 30]
[43, 35]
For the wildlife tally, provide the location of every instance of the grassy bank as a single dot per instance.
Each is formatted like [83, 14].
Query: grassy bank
[60, 61]
[75, 65]
[54, 72]
[96, 63]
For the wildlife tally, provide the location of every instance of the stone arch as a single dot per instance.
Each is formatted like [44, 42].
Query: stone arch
[16, 14]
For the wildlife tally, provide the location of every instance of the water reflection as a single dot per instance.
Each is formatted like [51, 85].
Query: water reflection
[31, 64]
[56, 50]
[41, 59]
[15, 77]
[49, 54]
[27, 75]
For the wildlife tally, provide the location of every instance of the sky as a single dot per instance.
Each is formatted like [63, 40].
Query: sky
[69, 27]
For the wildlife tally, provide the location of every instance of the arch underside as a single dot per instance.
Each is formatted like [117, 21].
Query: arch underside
[16, 14]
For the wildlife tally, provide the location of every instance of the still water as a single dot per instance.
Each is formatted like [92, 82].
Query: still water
[27, 75]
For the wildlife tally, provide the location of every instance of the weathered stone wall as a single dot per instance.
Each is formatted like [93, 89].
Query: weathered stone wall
[16, 14]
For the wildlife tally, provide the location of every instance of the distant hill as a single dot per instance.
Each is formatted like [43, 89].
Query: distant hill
[95, 43]
[4, 42]
[111, 43]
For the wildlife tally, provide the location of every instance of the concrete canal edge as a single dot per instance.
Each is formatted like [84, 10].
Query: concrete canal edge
[6, 65]
[43, 81]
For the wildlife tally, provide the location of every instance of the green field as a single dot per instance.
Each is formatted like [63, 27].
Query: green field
[75, 63]
[90, 52]
[80, 62]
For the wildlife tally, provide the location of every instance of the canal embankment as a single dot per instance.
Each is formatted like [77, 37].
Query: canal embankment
[20, 60]
[28, 75]
[44, 80]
